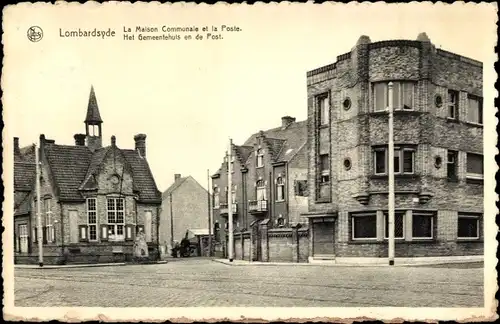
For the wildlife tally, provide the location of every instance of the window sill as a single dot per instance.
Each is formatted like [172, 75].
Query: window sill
[469, 240]
[400, 176]
[280, 200]
[474, 180]
[365, 241]
[323, 200]
[452, 120]
[323, 126]
[259, 167]
[478, 125]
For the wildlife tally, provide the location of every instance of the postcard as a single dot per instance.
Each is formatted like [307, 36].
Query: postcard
[249, 162]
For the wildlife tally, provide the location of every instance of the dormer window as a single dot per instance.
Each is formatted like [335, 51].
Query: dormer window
[260, 158]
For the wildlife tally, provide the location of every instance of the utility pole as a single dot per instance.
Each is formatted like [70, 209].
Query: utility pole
[391, 176]
[230, 201]
[38, 209]
[171, 223]
[209, 215]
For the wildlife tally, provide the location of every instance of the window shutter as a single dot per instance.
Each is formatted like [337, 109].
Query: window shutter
[53, 230]
[83, 230]
[44, 235]
[129, 232]
[104, 232]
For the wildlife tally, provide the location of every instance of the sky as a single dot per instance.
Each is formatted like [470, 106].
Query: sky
[190, 97]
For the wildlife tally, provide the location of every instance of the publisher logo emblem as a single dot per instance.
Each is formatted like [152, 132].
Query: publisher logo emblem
[35, 34]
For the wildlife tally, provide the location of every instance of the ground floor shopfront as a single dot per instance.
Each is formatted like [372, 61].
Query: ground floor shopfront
[418, 233]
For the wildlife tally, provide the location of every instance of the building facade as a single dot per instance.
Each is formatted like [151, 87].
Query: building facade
[269, 180]
[185, 206]
[438, 161]
[94, 199]
[24, 179]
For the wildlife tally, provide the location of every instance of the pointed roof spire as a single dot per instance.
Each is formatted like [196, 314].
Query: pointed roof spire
[93, 110]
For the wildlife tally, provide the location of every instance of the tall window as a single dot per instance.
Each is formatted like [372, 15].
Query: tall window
[404, 161]
[453, 104]
[216, 197]
[323, 105]
[92, 218]
[116, 221]
[474, 166]
[423, 226]
[261, 190]
[49, 227]
[451, 165]
[233, 195]
[324, 168]
[364, 226]
[402, 95]
[468, 226]
[280, 189]
[260, 158]
[399, 225]
[474, 109]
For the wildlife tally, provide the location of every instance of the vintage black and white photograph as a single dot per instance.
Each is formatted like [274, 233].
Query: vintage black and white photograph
[261, 162]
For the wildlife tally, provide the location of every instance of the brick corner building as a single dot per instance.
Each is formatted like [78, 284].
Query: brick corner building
[94, 199]
[438, 138]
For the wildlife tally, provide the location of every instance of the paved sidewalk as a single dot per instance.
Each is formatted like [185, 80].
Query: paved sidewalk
[333, 264]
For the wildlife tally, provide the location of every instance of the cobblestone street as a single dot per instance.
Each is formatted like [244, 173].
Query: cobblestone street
[202, 282]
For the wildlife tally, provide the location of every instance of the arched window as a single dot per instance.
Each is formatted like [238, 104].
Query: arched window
[280, 189]
[260, 158]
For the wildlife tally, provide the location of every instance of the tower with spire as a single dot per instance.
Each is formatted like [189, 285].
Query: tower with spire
[93, 123]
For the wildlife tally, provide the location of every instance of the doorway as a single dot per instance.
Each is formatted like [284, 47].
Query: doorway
[323, 238]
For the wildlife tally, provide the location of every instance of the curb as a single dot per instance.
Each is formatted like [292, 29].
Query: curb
[347, 265]
[92, 265]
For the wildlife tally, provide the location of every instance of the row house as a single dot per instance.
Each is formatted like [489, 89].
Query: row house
[94, 199]
[438, 156]
[269, 179]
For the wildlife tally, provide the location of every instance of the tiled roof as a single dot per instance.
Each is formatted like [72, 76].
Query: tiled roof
[275, 145]
[21, 203]
[73, 166]
[93, 114]
[243, 152]
[144, 181]
[95, 162]
[24, 176]
[294, 137]
[69, 165]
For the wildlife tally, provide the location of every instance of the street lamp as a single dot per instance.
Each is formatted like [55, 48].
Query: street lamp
[391, 176]
[38, 208]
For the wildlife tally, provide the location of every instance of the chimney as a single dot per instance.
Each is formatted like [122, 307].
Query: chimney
[177, 176]
[140, 144]
[287, 121]
[79, 139]
[16, 146]
[113, 140]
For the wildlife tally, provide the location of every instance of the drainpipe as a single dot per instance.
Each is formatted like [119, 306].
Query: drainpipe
[271, 186]
[62, 231]
[287, 190]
